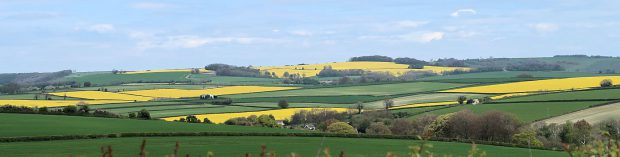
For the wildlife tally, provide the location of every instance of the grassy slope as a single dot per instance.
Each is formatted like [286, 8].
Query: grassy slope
[378, 90]
[236, 146]
[526, 112]
[230, 80]
[42, 125]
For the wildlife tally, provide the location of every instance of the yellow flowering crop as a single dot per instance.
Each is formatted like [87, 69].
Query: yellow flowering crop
[183, 93]
[162, 71]
[279, 114]
[56, 103]
[314, 69]
[509, 95]
[98, 95]
[425, 105]
[575, 83]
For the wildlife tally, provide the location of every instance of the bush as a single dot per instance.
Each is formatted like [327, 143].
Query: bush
[607, 83]
[341, 128]
[192, 119]
[283, 104]
[461, 99]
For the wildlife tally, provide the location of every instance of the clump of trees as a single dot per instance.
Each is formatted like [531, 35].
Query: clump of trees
[329, 72]
[412, 62]
[73, 110]
[375, 58]
[241, 71]
[607, 83]
[253, 120]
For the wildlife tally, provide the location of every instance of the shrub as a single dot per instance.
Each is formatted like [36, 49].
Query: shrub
[341, 128]
[527, 137]
[206, 120]
[192, 119]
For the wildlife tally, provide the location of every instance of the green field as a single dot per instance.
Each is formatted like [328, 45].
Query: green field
[376, 90]
[231, 80]
[599, 94]
[43, 125]
[239, 145]
[30, 96]
[526, 112]
[424, 98]
[342, 99]
[113, 79]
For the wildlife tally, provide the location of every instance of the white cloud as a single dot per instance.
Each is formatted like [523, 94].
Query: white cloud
[150, 5]
[147, 40]
[410, 24]
[420, 37]
[302, 33]
[544, 27]
[460, 12]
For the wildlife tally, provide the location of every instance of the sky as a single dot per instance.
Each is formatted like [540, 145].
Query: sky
[53, 35]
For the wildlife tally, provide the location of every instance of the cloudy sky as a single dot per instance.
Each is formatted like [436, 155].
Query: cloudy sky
[50, 35]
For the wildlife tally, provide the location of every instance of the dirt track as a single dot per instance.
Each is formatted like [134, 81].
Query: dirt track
[592, 115]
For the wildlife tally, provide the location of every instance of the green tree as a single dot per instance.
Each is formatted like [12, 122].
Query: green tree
[192, 119]
[143, 114]
[378, 129]
[360, 107]
[461, 99]
[527, 137]
[341, 128]
[70, 109]
[283, 104]
[388, 103]
[267, 121]
[207, 120]
[132, 115]
[583, 132]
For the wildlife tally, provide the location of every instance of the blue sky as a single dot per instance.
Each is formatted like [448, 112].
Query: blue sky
[51, 35]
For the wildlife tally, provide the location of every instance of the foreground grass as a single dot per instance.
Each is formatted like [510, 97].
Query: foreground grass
[237, 146]
[526, 112]
[43, 125]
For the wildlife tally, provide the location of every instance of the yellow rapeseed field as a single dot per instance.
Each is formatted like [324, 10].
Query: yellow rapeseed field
[425, 105]
[98, 95]
[314, 69]
[165, 70]
[183, 93]
[575, 83]
[56, 103]
[279, 114]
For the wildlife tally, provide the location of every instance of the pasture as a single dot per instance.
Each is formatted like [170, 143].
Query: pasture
[526, 112]
[239, 145]
[14, 125]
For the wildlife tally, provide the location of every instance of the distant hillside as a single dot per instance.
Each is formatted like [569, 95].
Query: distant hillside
[571, 63]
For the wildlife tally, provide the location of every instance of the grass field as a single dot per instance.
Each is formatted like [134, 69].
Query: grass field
[591, 115]
[238, 146]
[208, 110]
[57, 103]
[424, 98]
[30, 96]
[111, 79]
[602, 94]
[231, 80]
[526, 112]
[43, 125]
[376, 90]
[340, 99]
